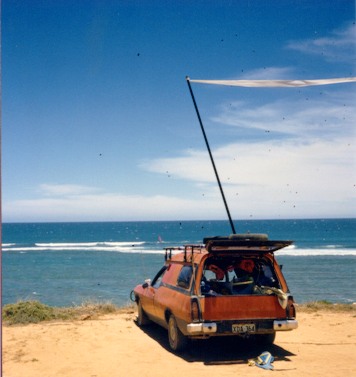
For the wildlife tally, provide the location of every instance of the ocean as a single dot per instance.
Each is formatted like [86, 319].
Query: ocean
[65, 264]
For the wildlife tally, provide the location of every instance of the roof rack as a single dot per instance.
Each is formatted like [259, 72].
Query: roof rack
[186, 248]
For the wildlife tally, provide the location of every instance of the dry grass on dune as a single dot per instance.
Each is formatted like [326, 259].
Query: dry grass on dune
[24, 312]
[316, 306]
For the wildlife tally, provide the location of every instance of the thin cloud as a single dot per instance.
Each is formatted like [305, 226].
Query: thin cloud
[248, 165]
[105, 207]
[325, 116]
[47, 189]
[192, 166]
[273, 179]
[337, 47]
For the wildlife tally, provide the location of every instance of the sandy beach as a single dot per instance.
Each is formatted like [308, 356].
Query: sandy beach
[113, 345]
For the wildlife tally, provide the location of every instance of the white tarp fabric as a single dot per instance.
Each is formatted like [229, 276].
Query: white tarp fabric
[275, 83]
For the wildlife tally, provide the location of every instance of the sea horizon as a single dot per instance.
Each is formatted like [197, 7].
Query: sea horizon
[179, 220]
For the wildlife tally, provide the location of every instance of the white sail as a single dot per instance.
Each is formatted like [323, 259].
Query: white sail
[276, 83]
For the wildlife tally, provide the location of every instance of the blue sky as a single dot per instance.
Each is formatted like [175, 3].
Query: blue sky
[98, 123]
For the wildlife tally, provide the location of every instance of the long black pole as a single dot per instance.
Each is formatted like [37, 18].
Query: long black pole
[211, 156]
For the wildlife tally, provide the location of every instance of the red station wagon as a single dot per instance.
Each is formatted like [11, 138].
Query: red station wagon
[229, 286]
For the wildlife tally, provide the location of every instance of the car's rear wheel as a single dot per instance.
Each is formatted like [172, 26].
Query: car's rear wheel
[177, 341]
[142, 318]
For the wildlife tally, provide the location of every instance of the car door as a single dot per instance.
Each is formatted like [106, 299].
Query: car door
[150, 292]
[174, 294]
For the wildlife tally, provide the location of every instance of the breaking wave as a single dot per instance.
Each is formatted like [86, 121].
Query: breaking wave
[158, 248]
[124, 247]
[330, 250]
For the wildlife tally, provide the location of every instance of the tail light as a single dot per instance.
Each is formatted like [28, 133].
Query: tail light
[195, 310]
[291, 312]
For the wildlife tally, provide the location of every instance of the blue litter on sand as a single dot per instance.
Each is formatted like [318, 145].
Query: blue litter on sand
[264, 361]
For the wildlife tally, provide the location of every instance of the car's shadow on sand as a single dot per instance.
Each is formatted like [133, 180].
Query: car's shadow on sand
[219, 350]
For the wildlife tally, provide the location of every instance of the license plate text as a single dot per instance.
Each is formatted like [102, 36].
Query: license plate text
[243, 328]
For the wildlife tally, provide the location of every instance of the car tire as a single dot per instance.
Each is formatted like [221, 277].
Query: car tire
[177, 341]
[142, 318]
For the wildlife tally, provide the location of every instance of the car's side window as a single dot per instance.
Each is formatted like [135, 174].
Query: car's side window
[185, 277]
[156, 282]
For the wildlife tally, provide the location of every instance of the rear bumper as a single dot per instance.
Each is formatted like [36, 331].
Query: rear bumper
[224, 327]
[285, 325]
[202, 328]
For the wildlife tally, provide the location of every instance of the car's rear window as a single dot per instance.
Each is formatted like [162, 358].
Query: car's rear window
[234, 276]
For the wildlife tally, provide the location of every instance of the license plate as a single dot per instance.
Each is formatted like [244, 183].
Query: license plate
[243, 328]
